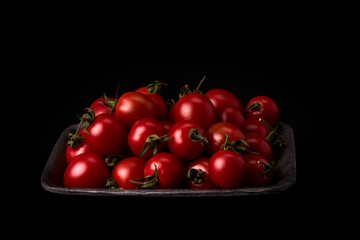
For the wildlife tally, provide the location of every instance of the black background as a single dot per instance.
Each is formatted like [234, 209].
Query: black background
[64, 79]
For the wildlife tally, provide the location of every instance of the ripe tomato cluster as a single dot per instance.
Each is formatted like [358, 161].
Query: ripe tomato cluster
[202, 141]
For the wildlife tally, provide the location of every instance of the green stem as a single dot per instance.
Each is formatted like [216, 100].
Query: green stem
[198, 86]
[147, 182]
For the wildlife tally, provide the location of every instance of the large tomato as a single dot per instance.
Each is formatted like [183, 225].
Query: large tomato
[87, 170]
[227, 169]
[143, 133]
[263, 107]
[107, 135]
[127, 169]
[163, 170]
[198, 174]
[195, 107]
[133, 106]
[222, 98]
[216, 135]
[187, 140]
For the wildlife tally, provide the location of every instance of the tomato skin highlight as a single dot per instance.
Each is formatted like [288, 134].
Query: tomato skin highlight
[107, 135]
[170, 170]
[227, 169]
[133, 106]
[195, 107]
[181, 145]
[127, 169]
[87, 170]
[267, 109]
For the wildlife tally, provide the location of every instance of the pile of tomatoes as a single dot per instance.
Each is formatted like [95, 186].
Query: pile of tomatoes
[202, 141]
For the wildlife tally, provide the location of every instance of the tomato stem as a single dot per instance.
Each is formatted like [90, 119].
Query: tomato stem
[155, 87]
[196, 175]
[75, 139]
[198, 86]
[273, 138]
[254, 106]
[148, 181]
[269, 168]
[196, 136]
[151, 142]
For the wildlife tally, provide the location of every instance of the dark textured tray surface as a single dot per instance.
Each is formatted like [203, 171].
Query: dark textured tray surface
[284, 179]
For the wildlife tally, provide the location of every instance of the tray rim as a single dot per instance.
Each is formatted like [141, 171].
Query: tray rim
[248, 191]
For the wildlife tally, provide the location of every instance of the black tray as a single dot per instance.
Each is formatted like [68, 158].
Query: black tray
[284, 179]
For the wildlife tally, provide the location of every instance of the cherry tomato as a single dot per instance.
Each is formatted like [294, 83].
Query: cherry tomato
[167, 125]
[222, 98]
[198, 174]
[227, 169]
[158, 101]
[263, 107]
[187, 140]
[127, 169]
[254, 125]
[231, 115]
[79, 149]
[258, 171]
[99, 106]
[170, 172]
[87, 170]
[107, 135]
[197, 108]
[216, 135]
[141, 133]
[133, 106]
[258, 144]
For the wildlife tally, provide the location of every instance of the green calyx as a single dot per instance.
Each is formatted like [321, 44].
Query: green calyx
[273, 138]
[196, 175]
[155, 87]
[147, 182]
[151, 142]
[111, 184]
[86, 119]
[269, 168]
[196, 136]
[256, 106]
[238, 145]
[112, 160]
[186, 89]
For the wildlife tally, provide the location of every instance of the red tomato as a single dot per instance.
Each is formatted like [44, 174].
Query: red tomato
[227, 169]
[139, 136]
[231, 115]
[170, 170]
[127, 169]
[133, 106]
[99, 107]
[258, 144]
[198, 174]
[87, 170]
[254, 125]
[216, 135]
[79, 149]
[222, 98]
[263, 107]
[197, 108]
[258, 171]
[187, 140]
[158, 101]
[107, 135]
